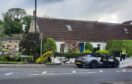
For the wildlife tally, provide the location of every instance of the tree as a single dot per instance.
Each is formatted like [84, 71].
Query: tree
[1, 29]
[13, 20]
[26, 22]
[17, 13]
[49, 45]
[30, 44]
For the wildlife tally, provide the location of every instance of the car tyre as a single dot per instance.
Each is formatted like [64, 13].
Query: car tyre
[93, 64]
[116, 64]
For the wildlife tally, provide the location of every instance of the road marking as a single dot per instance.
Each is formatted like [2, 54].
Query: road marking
[7, 74]
[73, 72]
[124, 70]
[34, 74]
[101, 71]
[44, 72]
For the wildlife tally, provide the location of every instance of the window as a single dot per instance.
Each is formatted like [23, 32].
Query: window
[126, 30]
[15, 46]
[69, 27]
[8, 46]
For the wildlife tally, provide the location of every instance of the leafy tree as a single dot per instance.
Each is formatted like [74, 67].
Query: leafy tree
[16, 13]
[26, 22]
[30, 44]
[1, 29]
[49, 45]
[88, 46]
[13, 20]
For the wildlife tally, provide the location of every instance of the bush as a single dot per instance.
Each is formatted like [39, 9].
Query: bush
[88, 46]
[69, 55]
[5, 58]
[115, 46]
[87, 51]
[49, 45]
[103, 52]
[44, 57]
[73, 51]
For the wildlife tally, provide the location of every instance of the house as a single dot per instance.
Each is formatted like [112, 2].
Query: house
[78, 31]
[10, 43]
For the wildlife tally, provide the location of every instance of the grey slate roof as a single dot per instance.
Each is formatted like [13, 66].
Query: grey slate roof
[83, 30]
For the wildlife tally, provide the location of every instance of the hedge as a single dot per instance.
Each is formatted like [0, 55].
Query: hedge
[115, 46]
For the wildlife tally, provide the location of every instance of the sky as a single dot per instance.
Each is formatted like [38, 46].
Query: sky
[115, 11]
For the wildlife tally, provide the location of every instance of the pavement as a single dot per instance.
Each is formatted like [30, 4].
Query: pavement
[64, 74]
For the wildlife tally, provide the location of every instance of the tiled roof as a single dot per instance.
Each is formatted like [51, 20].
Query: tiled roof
[62, 30]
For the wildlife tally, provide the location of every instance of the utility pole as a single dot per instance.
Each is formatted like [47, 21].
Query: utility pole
[35, 16]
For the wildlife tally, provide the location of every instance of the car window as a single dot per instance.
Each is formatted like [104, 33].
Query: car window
[99, 55]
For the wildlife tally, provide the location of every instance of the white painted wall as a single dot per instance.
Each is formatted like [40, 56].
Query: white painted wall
[58, 44]
[102, 45]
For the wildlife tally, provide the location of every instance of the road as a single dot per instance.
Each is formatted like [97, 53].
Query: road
[65, 74]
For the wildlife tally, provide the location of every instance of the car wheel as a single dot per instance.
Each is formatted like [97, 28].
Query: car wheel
[116, 64]
[80, 66]
[93, 64]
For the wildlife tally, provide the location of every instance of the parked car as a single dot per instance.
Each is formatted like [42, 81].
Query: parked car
[95, 60]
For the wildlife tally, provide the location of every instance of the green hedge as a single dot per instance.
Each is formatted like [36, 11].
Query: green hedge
[115, 46]
[75, 55]
[106, 52]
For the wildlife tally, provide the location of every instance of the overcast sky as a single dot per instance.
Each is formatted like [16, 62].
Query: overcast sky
[93, 10]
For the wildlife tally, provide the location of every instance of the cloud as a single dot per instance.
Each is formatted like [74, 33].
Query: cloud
[101, 10]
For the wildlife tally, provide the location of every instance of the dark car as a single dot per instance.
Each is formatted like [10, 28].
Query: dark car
[95, 60]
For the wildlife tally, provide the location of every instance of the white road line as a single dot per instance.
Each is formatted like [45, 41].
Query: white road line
[7, 74]
[101, 71]
[34, 74]
[44, 72]
[124, 70]
[73, 72]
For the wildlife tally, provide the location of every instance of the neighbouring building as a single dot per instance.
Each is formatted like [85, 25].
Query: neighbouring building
[80, 32]
[11, 43]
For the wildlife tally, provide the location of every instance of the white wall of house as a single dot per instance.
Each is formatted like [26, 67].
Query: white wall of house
[95, 45]
[58, 44]
[102, 45]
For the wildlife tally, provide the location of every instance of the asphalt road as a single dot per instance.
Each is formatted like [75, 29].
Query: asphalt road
[65, 74]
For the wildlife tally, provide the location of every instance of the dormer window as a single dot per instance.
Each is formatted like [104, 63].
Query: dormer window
[69, 28]
[126, 30]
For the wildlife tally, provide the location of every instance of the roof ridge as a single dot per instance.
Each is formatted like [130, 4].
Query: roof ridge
[77, 20]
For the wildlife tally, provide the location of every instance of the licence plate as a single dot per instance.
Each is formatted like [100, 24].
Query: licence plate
[77, 62]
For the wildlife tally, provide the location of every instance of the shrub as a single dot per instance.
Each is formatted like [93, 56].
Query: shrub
[73, 51]
[88, 46]
[5, 58]
[115, 46]
[69, 55]
[87, 51]
[44, 57]
[103, 52]
[49, 45]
